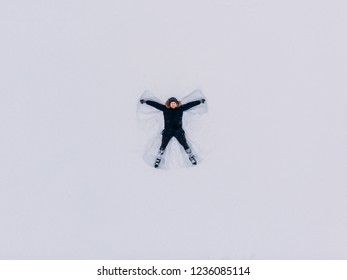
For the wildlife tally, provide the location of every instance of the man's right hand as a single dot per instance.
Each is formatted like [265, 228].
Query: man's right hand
[142, 101]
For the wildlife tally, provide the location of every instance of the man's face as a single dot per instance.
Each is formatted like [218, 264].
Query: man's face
[173, 105]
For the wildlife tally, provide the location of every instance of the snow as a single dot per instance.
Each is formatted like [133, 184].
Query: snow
[73, 182]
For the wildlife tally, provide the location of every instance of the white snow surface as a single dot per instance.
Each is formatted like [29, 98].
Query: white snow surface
[272, 183]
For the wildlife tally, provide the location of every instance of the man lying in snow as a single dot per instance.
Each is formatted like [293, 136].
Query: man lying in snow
[173, 113]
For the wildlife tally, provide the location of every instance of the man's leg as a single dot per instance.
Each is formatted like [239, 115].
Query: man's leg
[164, 142]
[181, 138]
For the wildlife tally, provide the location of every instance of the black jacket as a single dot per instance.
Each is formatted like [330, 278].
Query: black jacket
[173, 117]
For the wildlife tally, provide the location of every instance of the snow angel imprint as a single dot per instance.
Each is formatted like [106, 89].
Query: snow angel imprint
[173, 113]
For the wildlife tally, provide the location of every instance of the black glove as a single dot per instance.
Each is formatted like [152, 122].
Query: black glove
[203, 100]
[142, 101]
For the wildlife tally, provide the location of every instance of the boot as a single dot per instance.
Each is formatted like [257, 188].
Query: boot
[191, 156]
[158, 159]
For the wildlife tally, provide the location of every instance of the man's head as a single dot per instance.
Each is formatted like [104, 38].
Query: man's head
[172, 103]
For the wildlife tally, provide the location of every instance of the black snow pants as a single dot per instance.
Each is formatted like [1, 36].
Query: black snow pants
[178, 133]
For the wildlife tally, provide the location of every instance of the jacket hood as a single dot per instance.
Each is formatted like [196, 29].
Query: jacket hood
[172, 99]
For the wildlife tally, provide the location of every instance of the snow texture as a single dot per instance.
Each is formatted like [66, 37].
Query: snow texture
[272, 183]
[152, 120]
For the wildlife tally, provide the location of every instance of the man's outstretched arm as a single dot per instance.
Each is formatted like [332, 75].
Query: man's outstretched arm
[192, 104]
[154, 104]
